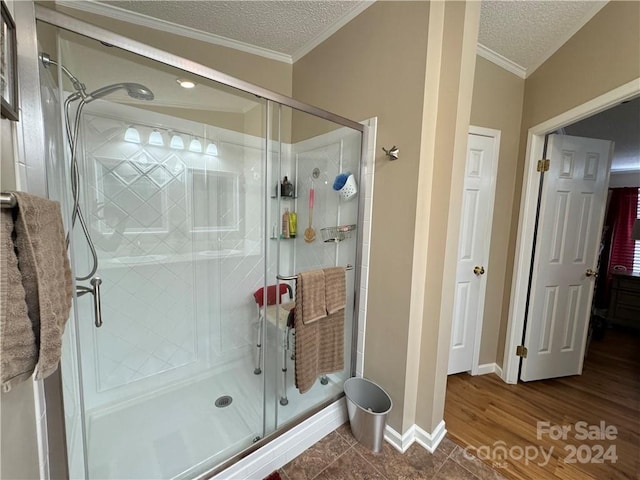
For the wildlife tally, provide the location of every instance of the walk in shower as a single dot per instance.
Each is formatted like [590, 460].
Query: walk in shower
[178, 190]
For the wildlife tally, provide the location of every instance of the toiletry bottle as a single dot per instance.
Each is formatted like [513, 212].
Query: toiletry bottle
[286, 189]
[293, 224]
[285, 224]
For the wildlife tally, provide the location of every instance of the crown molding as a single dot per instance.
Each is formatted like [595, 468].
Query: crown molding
[121, 14]
[330, 30]
[501, 61]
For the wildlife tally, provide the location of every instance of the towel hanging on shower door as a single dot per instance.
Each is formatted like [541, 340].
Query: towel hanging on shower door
[319, 347]
[45, 277]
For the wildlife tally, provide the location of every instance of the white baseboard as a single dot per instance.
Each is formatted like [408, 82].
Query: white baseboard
[499, 371]
[429, 441]
[486, 368]
[400, 442]
[288, 446]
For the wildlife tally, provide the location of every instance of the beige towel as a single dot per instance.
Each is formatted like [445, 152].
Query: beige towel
[313, 306]
[319, 345]
[46, 276]
[335, 289]
[18, 351]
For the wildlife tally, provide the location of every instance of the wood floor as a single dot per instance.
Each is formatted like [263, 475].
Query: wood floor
[483, 413]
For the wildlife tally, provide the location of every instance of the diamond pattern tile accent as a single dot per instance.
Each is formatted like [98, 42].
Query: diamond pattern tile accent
[126, 173]
[143, 161]
[160, 176]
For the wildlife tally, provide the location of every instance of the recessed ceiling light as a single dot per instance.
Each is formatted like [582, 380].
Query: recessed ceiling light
[184, 83]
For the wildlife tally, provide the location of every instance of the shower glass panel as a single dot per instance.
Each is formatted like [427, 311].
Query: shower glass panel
[180, 192]
[313, 152]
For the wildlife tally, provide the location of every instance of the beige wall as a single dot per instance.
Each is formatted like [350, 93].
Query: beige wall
[19, 455]
[361, 72]
[364, 70]
[497, 103]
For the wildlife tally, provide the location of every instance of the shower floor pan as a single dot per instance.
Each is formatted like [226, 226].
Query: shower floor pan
[181, 433]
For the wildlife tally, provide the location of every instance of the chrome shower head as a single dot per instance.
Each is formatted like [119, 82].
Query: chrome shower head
[134, 90]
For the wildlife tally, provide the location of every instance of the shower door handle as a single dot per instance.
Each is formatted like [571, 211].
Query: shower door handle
[97, 304]
[95, 291]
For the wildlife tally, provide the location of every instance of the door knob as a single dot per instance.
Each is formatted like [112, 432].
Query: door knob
[478, 270]
[591, 273]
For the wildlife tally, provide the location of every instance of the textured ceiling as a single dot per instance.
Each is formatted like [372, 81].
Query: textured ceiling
[281, 26]
[527, 32]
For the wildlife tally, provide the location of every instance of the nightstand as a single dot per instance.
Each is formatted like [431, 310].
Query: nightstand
[624, 306]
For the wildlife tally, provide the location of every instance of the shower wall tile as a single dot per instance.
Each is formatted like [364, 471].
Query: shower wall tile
[172, 317]
[369, 169]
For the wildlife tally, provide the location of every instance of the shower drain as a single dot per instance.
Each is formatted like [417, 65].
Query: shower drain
[224, 401]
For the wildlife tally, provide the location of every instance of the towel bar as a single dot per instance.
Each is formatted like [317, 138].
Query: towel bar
[7, 200]
[293, 277]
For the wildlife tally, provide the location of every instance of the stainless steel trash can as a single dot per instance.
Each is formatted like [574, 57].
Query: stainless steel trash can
[367, 406]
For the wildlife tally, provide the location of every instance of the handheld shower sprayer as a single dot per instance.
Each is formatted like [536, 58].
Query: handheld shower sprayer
[134, 90]
[72, 124]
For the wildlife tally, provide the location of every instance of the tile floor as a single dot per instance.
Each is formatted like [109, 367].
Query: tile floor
[338, 456]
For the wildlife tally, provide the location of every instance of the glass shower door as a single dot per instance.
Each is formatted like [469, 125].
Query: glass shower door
[172, 192]
[312, 152]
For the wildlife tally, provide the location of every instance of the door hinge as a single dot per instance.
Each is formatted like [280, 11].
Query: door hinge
[521, 351]
[543, 165]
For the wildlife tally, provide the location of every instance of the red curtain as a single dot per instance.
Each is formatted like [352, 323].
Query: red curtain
[617, 243]
[623, 211]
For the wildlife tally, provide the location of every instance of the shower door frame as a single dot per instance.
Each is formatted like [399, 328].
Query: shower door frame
[80, 27]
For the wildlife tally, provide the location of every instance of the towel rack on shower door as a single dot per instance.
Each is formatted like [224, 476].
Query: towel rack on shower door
[293, 277]
[7, 200]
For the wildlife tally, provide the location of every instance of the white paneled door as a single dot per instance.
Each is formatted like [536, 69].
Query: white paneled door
[473, 248]
[572, 205]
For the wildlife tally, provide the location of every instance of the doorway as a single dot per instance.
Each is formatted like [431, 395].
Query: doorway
[528, 214]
